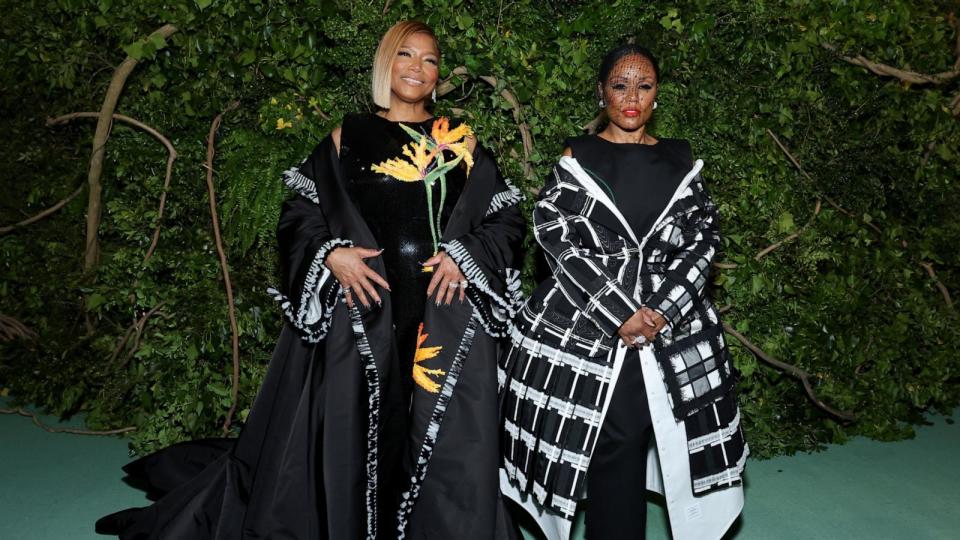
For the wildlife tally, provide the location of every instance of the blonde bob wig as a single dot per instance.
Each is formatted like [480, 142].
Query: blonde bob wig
[383, 61]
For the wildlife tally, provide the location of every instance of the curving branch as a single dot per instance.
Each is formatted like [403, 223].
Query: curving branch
[171, 157]
[36, 420]
[137, 329]
[792, 370]
[526, 136]
[592, 126]
[91, 254]
[903, 243]
[11, 329]
[885, 70]
[212, 195]
[913, 77]
[37, 217]
[792, 236]
[928, 267]
[836, 206]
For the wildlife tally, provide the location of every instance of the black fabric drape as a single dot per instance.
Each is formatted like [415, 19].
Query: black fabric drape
[304, 465]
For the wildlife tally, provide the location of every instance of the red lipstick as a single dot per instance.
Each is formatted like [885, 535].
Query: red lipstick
[631, 113]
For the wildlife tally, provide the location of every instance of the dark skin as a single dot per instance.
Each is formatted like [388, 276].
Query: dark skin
[629, 94]
[414, 75]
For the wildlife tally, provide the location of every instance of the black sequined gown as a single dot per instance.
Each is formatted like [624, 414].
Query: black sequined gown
[397, 215]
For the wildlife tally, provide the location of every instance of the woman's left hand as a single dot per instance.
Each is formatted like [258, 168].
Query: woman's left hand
[447, 279]
[645, 323]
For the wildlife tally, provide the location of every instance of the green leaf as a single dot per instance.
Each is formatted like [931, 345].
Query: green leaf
[785, 222]
[247, 57]
[95, 300]
[756, 284]
[464, 21]
[158, 41]
[134, 50]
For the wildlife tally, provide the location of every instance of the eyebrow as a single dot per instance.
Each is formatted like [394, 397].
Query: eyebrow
[414, 49]
[621, 78]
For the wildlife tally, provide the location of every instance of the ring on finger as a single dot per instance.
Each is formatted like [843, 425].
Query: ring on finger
[639, 340]
[453, 284]
[464, 284]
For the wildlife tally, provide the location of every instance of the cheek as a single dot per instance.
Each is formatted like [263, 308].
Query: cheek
[613, 96]
[431, 72]
[399, 65]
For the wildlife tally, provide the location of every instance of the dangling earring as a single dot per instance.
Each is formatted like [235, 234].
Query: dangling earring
[601, 103]
[434, 94]
[654, 104]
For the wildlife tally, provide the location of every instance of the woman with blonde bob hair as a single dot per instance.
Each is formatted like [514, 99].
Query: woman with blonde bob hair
[398, 264]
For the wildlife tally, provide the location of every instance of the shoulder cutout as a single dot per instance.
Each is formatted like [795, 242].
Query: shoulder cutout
[335, 134]
[568, 152]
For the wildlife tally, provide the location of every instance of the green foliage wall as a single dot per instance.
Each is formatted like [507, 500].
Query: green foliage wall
[846, 300]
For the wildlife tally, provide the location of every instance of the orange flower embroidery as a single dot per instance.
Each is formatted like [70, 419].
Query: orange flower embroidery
[427, 164]
[421, 375]
[453, 140]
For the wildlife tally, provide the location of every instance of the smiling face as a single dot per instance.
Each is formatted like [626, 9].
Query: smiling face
[415, 68]
[629, 92]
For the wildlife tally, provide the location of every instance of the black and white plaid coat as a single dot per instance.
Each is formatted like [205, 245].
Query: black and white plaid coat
[558, 377]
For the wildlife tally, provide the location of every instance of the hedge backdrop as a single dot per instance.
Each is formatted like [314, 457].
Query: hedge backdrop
[829, 130]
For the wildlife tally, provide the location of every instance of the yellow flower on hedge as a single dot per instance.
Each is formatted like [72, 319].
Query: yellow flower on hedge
[421, 375]
[283, 124]
[453, 140]
[400, 169]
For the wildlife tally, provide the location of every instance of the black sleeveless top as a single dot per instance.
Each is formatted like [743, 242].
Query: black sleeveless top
[638, 178]
[397, 215]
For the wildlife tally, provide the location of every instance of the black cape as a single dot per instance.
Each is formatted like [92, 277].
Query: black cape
[319, 453]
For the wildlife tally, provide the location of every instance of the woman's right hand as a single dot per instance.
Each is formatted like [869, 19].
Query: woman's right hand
[348, 266]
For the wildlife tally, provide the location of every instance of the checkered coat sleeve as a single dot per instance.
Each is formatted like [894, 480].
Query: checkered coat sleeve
[563, 227]
[691, 244]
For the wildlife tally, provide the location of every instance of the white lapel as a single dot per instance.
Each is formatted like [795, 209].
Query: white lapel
[572, 166]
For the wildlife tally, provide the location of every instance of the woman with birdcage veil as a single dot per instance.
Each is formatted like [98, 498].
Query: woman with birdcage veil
[619, 380]
[377, 416]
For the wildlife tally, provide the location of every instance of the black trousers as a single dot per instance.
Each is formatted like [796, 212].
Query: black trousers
[616, 479]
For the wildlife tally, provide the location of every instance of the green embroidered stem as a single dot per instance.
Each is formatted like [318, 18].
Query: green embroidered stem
[433, 230]
[443, 199]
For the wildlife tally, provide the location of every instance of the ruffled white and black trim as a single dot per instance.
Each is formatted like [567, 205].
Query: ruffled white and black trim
[409, 497]
[373, 417]
[319, 296]
[304, 186]
[505, 198]
[497, 312]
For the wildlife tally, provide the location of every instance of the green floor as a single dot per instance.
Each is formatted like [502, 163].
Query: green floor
[53, 487]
